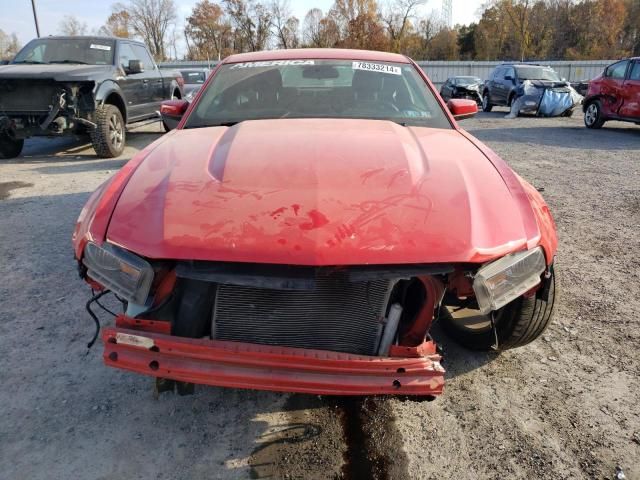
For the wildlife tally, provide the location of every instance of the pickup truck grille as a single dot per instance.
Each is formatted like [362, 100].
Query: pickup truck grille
[336, 315]
[24, 96]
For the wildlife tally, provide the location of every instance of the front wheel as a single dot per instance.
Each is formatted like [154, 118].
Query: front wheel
[593, 117]
[109, 135]
[516, 324]
[10, 147]
[486, 102]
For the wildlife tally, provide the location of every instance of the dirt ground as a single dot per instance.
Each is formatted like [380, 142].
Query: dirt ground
[566, 406]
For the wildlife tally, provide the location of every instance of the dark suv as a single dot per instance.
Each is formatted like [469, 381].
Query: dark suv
[501, 87]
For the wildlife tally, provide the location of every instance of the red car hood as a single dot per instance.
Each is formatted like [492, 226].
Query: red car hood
[318, 192]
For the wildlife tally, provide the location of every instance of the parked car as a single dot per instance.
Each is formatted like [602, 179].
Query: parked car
[59, 86]
[194, 78]
[614, 95]
[502, 86]
[462, 87]
[311, 216]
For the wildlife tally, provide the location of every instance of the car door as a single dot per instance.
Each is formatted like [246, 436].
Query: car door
[445, 91]
[612, 86]
[497, 93]
[630, 107]
[135, 86]
[154, 76]
[508, 82]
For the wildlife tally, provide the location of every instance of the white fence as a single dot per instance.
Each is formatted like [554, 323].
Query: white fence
[439, 71]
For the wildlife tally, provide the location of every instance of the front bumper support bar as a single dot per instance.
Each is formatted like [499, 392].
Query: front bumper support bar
[244, 365]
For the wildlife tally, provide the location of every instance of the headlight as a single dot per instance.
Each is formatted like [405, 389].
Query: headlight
[504, 280]
[120, 271]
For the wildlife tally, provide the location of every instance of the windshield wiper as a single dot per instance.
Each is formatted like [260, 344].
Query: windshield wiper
[31, 62]
[69, 61]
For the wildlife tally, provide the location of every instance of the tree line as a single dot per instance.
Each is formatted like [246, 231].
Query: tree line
[506, 29]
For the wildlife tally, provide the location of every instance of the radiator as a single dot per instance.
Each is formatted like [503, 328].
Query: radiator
[336, 315]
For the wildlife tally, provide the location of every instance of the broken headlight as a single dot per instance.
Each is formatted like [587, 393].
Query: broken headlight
[122, 272]
[504, 280]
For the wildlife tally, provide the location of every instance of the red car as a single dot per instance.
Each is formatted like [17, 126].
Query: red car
[614, 95]
[311, 216]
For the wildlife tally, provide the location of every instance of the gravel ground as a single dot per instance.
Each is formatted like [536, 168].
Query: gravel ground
[566, 406]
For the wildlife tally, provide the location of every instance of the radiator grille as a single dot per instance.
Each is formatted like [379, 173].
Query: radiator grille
[337, 315]
[26, 96]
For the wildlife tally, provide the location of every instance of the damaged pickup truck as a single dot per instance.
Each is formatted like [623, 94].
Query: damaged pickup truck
[70, 85]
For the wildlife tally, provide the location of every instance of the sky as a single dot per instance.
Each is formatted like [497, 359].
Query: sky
[17, 15]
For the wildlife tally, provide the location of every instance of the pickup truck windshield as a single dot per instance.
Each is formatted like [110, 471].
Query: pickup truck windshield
[317, 89]
[90, 51]
[537, 73]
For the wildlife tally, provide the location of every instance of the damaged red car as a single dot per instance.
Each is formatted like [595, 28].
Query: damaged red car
[310, 217]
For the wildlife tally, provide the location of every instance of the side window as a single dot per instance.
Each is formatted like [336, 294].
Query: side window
[126, 53]
[617, 70]
[510, 72]
[144, 57]
[635, 71]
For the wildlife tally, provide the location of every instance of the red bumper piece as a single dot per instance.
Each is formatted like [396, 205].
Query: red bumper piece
[244, 365]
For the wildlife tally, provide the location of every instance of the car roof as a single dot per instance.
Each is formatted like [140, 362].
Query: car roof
[317, 53]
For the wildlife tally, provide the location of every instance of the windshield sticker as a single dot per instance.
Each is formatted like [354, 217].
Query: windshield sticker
[271, 63]
[100, 47]
[377, 67]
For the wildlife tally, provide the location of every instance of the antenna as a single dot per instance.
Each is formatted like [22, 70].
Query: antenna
[447, 13]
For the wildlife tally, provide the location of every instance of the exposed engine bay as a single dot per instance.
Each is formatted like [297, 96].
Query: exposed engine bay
[45, 107]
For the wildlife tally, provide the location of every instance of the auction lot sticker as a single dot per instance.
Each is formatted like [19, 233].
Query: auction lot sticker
[377, 67]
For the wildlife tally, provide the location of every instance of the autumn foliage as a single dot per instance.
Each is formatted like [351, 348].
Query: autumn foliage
[506, 29]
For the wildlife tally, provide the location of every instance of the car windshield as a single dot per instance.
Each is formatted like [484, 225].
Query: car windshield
[92, 51]
[193, 77]
[464, 81]
[537, 73]
[317, 89]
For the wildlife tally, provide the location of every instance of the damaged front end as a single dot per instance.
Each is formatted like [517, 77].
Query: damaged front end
[544, 99]
[45, 107]
[324, 330]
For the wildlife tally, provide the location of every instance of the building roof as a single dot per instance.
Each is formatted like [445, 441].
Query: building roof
[317, 53]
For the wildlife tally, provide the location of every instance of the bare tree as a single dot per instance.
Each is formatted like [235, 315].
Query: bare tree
[319, 30]
[397, 18]
[286, 25]
[9, 45]
[151, 19]
[252, 22]
[71, 26]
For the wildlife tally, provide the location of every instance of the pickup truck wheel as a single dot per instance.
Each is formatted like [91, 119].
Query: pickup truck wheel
[593, 117]
[486, 103]
[10, 147]
[108, 138]
[517, 323]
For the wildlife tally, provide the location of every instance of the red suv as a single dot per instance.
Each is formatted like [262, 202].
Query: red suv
[614, 95]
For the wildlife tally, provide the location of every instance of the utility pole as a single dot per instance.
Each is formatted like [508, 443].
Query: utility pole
[35, 17]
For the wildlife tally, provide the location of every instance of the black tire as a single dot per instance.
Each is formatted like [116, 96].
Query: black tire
[10, 147]
[593, 117]
[517, 323]
[486, 102]
[109, 136]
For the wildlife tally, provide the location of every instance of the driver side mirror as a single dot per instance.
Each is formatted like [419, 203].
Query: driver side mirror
[172, 111]
[135, 66]
[462, 108]
[509, 78]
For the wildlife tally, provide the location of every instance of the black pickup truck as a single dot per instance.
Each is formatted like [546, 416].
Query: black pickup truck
[68, 85]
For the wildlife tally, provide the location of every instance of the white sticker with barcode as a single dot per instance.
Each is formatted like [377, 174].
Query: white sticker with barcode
[100, 47]
[377, 67]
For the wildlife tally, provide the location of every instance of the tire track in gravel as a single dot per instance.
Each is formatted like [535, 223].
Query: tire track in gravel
[332, 437]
